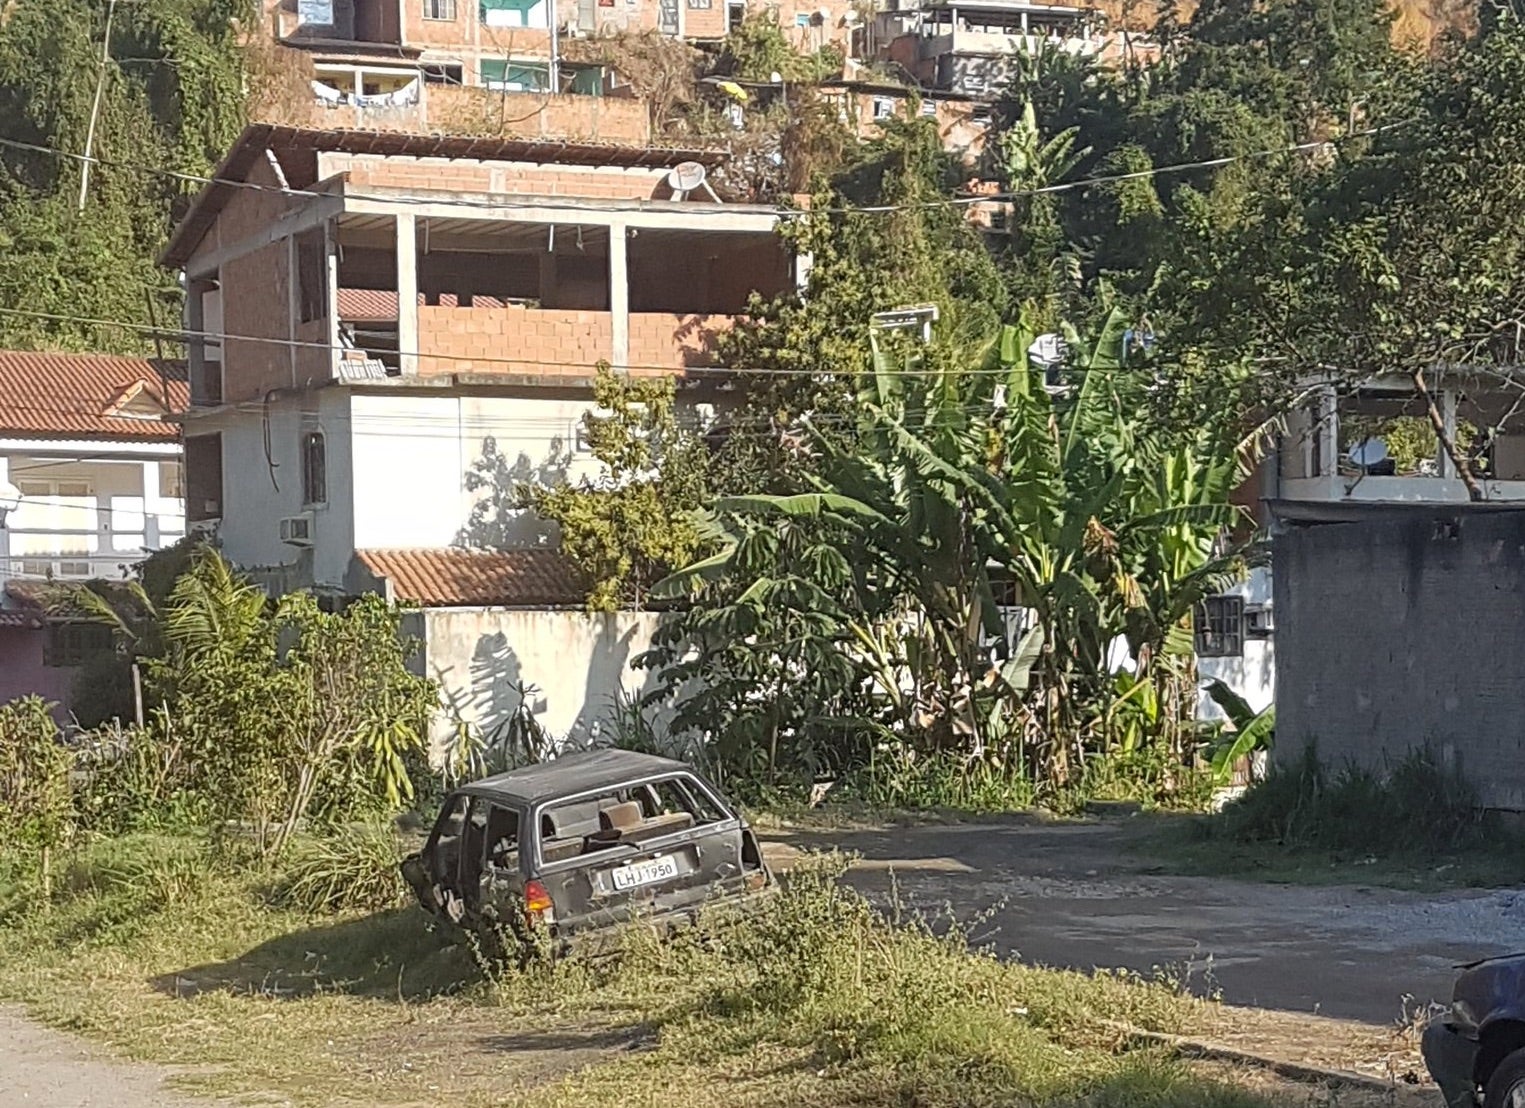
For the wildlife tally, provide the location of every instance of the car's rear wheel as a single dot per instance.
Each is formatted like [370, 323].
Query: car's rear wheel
[1506, 1085]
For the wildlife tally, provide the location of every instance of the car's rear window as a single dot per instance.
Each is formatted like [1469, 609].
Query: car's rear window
[626, 816]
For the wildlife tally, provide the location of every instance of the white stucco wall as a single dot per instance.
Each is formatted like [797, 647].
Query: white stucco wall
[576, 661]
[1252, 676]
[413, 452]
[260, 490]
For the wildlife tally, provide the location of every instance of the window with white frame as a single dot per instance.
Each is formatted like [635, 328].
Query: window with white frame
[439, 9]
[884, 107]
[1220, 627]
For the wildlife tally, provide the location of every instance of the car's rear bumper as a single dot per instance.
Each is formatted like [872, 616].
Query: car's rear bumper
[1451, 1057]
[593, 939]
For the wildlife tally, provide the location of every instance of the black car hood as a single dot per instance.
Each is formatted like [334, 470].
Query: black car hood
[1486, 961]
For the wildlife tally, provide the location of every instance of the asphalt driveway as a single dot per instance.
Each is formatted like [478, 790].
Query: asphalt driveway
[1075, 895]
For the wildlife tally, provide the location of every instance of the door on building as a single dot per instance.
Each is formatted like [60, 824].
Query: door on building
[667, 17]
[55, 529]
[587, 15]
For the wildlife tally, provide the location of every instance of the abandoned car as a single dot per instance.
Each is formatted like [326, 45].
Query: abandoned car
[578, 846]
[1478, 1045]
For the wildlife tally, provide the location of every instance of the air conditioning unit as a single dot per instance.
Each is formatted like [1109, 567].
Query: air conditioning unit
[297, 530]
[1258, 623]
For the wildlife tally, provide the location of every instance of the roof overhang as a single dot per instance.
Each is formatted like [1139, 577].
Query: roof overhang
[232, 173]
[1316, 512]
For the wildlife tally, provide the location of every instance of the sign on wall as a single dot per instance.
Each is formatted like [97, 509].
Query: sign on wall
[315, 11]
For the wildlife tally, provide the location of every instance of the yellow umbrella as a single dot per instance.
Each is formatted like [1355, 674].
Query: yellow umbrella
[733, 90]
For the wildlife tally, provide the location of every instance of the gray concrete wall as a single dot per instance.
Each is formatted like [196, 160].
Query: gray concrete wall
[1395, 632]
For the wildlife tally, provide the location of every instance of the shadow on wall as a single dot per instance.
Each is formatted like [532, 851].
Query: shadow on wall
[571, 666]
[497, 520]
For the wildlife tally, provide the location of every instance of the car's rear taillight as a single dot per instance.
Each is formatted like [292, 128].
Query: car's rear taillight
[537, 901]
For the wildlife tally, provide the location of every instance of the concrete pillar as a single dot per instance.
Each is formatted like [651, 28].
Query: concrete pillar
[407, 293]
[5, 533]
[331, 292]
[1448, 400]
[1328, 432]
[619, 294]
[151, 538]
[196, 350]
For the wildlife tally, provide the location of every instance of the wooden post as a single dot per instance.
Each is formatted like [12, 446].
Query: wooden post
[137, 693]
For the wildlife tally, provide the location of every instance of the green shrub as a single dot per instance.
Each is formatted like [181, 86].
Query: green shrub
[349, 867]
[36, 807]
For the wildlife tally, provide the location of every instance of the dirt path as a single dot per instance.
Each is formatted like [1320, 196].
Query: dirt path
[41, 1068]
[1075, 895]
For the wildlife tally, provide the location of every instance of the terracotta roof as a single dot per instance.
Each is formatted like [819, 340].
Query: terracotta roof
[25, 621]
[259, 137]
[89, 396]
[456, 578]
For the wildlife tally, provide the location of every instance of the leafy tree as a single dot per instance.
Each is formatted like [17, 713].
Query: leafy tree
[626, 527]
[964, 469]
[171, 98]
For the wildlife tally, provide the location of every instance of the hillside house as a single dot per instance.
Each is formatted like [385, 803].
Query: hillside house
[90, 483]
[389, 50]
[390, 332]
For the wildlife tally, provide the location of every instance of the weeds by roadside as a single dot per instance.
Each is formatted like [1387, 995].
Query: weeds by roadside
[169, 953]
[1417, 825]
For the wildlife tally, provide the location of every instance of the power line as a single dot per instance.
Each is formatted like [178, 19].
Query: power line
[221, 337]
[704, 210]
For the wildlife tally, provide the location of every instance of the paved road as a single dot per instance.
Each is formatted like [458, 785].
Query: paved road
[41, 1068]
[1073, 895]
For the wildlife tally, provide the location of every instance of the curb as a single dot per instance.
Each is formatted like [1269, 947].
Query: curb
[1295, 1071]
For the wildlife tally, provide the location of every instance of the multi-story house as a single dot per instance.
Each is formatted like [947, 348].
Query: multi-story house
[391, 331]
[971, 46]
[387, 50]
[90, 483]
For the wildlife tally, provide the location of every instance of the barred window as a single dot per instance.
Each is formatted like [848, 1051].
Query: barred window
[1220, 627]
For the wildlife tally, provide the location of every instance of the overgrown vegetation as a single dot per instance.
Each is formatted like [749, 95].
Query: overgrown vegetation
[815, 1000]
[1417, 822]
[266, 717]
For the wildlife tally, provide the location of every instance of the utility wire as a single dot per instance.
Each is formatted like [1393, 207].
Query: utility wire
[705, 210]
[184, 335]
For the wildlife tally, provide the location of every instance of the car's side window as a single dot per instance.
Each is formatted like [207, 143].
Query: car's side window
[502, 838]
[704, 806]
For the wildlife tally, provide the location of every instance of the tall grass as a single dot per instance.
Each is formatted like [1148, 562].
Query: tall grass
[1419, 808]
[814, 998]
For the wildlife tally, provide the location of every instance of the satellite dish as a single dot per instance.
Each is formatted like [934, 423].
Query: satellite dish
[1368, 453]
[824, 13]
[684, 177]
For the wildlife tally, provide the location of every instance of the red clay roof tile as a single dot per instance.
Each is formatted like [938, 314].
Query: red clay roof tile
[458, 578]
[80, 396]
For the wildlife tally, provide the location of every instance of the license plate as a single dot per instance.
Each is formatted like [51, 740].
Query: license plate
[645, 873]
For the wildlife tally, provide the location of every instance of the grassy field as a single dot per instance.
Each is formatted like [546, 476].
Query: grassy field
[171, 956]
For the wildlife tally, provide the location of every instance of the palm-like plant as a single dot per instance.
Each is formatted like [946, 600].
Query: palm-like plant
[966, 465]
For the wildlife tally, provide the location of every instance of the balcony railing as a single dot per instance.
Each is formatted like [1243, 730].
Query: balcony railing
[67, 555]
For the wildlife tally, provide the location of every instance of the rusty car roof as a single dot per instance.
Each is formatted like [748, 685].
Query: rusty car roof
[571, 774]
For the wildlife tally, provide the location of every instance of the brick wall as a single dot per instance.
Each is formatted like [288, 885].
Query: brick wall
[443, 174]
[256, 298]
[541, 340]
[313, 363]
[820, 32]
[704, 23]
[476, 111]
[246, 212]
[1400, 631]
[675, 341]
